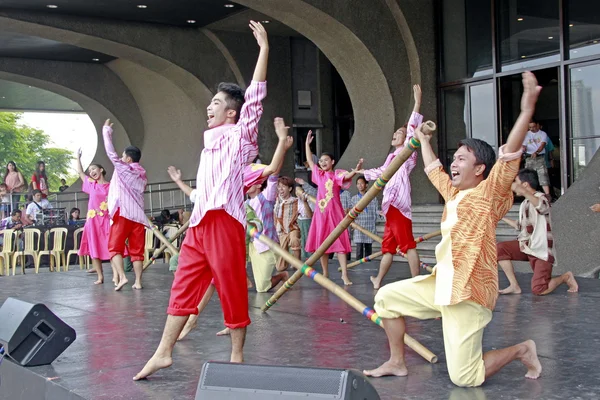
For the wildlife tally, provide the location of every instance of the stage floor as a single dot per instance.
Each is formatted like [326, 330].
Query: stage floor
[118, 332]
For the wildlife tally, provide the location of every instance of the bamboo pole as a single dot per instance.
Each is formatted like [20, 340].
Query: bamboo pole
[162, 248]
[368, 312]
[412, 145]
[365, 259]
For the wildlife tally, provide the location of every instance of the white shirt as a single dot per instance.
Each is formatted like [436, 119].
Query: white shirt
[33, 209]
[533, 141]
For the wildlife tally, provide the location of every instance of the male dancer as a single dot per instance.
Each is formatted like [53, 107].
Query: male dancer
[396, 203]
[126, 209]
[215, 245]
[463, 286]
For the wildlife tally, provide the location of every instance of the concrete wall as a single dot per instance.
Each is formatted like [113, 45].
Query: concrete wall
[576, 228]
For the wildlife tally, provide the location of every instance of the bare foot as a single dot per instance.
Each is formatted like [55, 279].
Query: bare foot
[91, 271]
[153, 365]
[225, 332]
[237, 357]
[190, 325]
[122, 283]
[376, 283]
[99, 282]
[530, 360]
[137, 286]
[249, 283]
[511, 290]
[572, 283]
[326, 274]
[386, 369]
[115, 280]
[346, 280]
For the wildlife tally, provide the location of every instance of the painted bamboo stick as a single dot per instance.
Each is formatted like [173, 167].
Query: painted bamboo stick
[413, 144]
[166, 242]
[368, 312]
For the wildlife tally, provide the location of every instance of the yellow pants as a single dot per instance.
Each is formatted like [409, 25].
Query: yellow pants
[462, 324]
[263, 266]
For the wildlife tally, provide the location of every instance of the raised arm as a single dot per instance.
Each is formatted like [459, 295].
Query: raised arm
[260, 71]
[175, 175]
[119, 164]
[418, 95]
[80, 171]
[426, 150]
[309, 139]
[531, 91]
[283, 144]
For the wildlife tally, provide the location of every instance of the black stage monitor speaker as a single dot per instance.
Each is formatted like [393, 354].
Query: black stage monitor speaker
[31, 334]
[225, 381]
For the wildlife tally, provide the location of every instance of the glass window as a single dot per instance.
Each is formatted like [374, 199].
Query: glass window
[585, 115]
[467, 39]
[582, 152]
[455, 117]
[529, 33]
[584, 27]
[483, 117]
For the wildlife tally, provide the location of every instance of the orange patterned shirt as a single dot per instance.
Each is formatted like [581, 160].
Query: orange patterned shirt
[473, 273]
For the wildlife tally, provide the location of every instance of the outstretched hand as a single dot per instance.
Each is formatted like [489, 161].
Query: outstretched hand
[280, 129]
[417, 93]
[174, 173]
[309, 137]
[358, 166]
[300, 181]
[79, 153]
[108, 123]
[260, 34]
[531, 92]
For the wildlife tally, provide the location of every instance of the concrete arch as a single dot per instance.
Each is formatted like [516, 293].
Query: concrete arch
[409, 41]
[93, 35]
[228, 56]
[364, 79]
[95, 109]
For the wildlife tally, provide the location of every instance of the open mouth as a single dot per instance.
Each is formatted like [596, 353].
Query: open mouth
[210, 118]
[455, 174]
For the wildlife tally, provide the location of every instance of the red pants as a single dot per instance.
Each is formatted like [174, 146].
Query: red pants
[122, 229]
[542, 270]
[397, 232]
[216, 248]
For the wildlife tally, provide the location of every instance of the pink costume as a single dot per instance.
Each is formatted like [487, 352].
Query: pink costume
[94, 241]
[328, 211]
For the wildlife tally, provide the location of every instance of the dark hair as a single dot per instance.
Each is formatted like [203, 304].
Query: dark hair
[36, 191]
[330, 155]
[165, 213]
[72, 211]
[531, 177]
[15, 212]
[362, 178]
[483, 152]
[40, 174]
[287, 181]
[102, 168]
[7, 171]
[535, 120]
[134, 153]
[234, 97]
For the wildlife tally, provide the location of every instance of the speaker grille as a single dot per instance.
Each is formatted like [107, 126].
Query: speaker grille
[273, 379]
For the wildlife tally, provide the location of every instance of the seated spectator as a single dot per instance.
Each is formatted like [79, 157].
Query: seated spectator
[74, 216]
[166, 217]
[38, 205]
[12, 222]
[63, 186]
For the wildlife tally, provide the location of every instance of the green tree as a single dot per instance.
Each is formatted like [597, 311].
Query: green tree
[26, 146]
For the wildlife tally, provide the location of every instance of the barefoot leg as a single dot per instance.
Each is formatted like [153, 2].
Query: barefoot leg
[413, 261]
[224, 332]
[344, 264]
[238, 337]
[117, 260]
[526, 351]
[509, 271]
[138, 268]
[162, 358]
[325, 265]
[192, 321]
[384, 267]
[566, 278]
[190, 325]
[275, 279]
[394, 329]
[97, 263]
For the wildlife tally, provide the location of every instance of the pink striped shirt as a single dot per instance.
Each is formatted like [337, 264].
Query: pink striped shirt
[397, 191]
[227, 150]
[127, 185]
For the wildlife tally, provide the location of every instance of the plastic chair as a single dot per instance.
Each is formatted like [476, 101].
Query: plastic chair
[75, 252]
[8, 250]
[31, 248]
[57, 252]
[149, 244]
